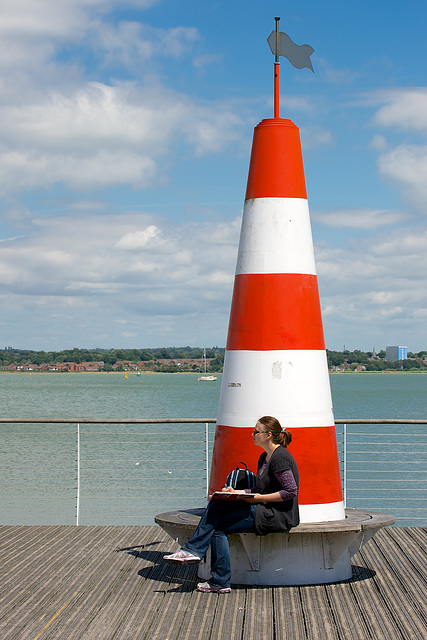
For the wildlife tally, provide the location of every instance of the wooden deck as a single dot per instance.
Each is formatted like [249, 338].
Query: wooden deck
[64, 582]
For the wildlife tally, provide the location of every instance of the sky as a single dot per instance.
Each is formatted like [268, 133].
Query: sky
[125, 135]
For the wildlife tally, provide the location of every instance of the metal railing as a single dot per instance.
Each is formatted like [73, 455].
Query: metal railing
[126, 471]
[384, 468]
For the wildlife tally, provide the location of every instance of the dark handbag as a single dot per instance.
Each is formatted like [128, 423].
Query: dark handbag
[240, 478]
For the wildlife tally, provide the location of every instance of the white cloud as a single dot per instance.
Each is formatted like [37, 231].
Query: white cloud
[105, 136]
[138, 239]
[376, 290]
[58, 127]
[379, 143]
[48, 43]
[358, 218]
[404, 165]
[57, 19]
[88, 270]
[66, 122]
[202, 61]
[403, 108]
[83, 273]
[334, 75]
[313, 137]
[132, 44]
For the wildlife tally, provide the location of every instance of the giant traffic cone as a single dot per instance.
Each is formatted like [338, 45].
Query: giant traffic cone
[275, 361]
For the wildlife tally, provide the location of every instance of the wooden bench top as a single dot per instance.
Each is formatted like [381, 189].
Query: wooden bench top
[355, 520]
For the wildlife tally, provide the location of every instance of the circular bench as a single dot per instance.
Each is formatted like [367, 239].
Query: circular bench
[312, 553]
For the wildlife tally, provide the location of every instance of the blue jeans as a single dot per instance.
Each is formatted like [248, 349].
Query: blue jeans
[219, 520]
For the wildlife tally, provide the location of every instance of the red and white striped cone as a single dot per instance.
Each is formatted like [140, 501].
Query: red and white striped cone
[275, 362]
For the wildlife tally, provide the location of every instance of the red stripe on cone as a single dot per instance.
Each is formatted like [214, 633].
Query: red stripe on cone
[275, 311]
[314, 448]
[230, 444]
[276, 168]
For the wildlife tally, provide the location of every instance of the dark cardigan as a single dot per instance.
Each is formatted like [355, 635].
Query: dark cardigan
[276, 516]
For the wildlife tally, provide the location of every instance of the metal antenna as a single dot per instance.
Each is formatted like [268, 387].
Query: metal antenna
[277, 74]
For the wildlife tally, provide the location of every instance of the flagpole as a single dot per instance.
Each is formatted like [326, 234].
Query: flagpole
[277, 74]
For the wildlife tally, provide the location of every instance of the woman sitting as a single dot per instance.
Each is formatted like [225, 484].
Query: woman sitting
[274, 507]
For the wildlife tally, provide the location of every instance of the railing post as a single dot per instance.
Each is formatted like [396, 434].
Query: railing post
[78, 476]
[345, 464]
[207, 457]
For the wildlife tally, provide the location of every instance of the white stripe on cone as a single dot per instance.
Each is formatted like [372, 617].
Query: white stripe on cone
[321, 512]
[256, 383]
[276, 237]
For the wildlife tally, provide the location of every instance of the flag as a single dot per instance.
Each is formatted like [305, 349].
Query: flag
[298, 55]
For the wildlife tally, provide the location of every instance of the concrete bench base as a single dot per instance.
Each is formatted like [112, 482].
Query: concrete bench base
[312, 553]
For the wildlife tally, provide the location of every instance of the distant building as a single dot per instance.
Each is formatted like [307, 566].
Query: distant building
[396, 353]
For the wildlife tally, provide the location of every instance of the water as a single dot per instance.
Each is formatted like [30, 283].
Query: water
[380, 395]
[80, 396]
[386, 463]
[131, 472]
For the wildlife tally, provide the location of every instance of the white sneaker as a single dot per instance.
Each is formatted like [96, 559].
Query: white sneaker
[207, 587]
[182, 557]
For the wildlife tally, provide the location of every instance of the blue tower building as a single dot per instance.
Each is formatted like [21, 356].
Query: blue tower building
[396, 353]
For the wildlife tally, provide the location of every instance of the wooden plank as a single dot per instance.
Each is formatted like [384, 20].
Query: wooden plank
[289, 616]
[116, 588]
[320, 623]
[157, 608]
[19, 549]
[231, 615]
[81, 567]
[147, 582]
[347, 613]
[392, 586]
[219, 616]
[409, 568]
[33, 577]
[16, 534]
[168, 621]
[383, 599]
[411, 544]
[83, 574]
[198, 618]
[378, 619]
[415, 533]
[410, 539]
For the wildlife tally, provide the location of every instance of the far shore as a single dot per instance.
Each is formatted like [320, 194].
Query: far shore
[362, 372]
[108, 373]
[180, 373]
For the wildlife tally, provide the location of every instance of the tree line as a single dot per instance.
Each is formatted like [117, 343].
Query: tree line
[20, 357]
[343, 359]
[375, 362]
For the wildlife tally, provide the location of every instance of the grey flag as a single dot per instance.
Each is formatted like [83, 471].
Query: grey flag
[298, 55]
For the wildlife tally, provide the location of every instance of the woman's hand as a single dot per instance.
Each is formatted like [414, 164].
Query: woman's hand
[231, 490]
[254, 498]
[266, 497]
